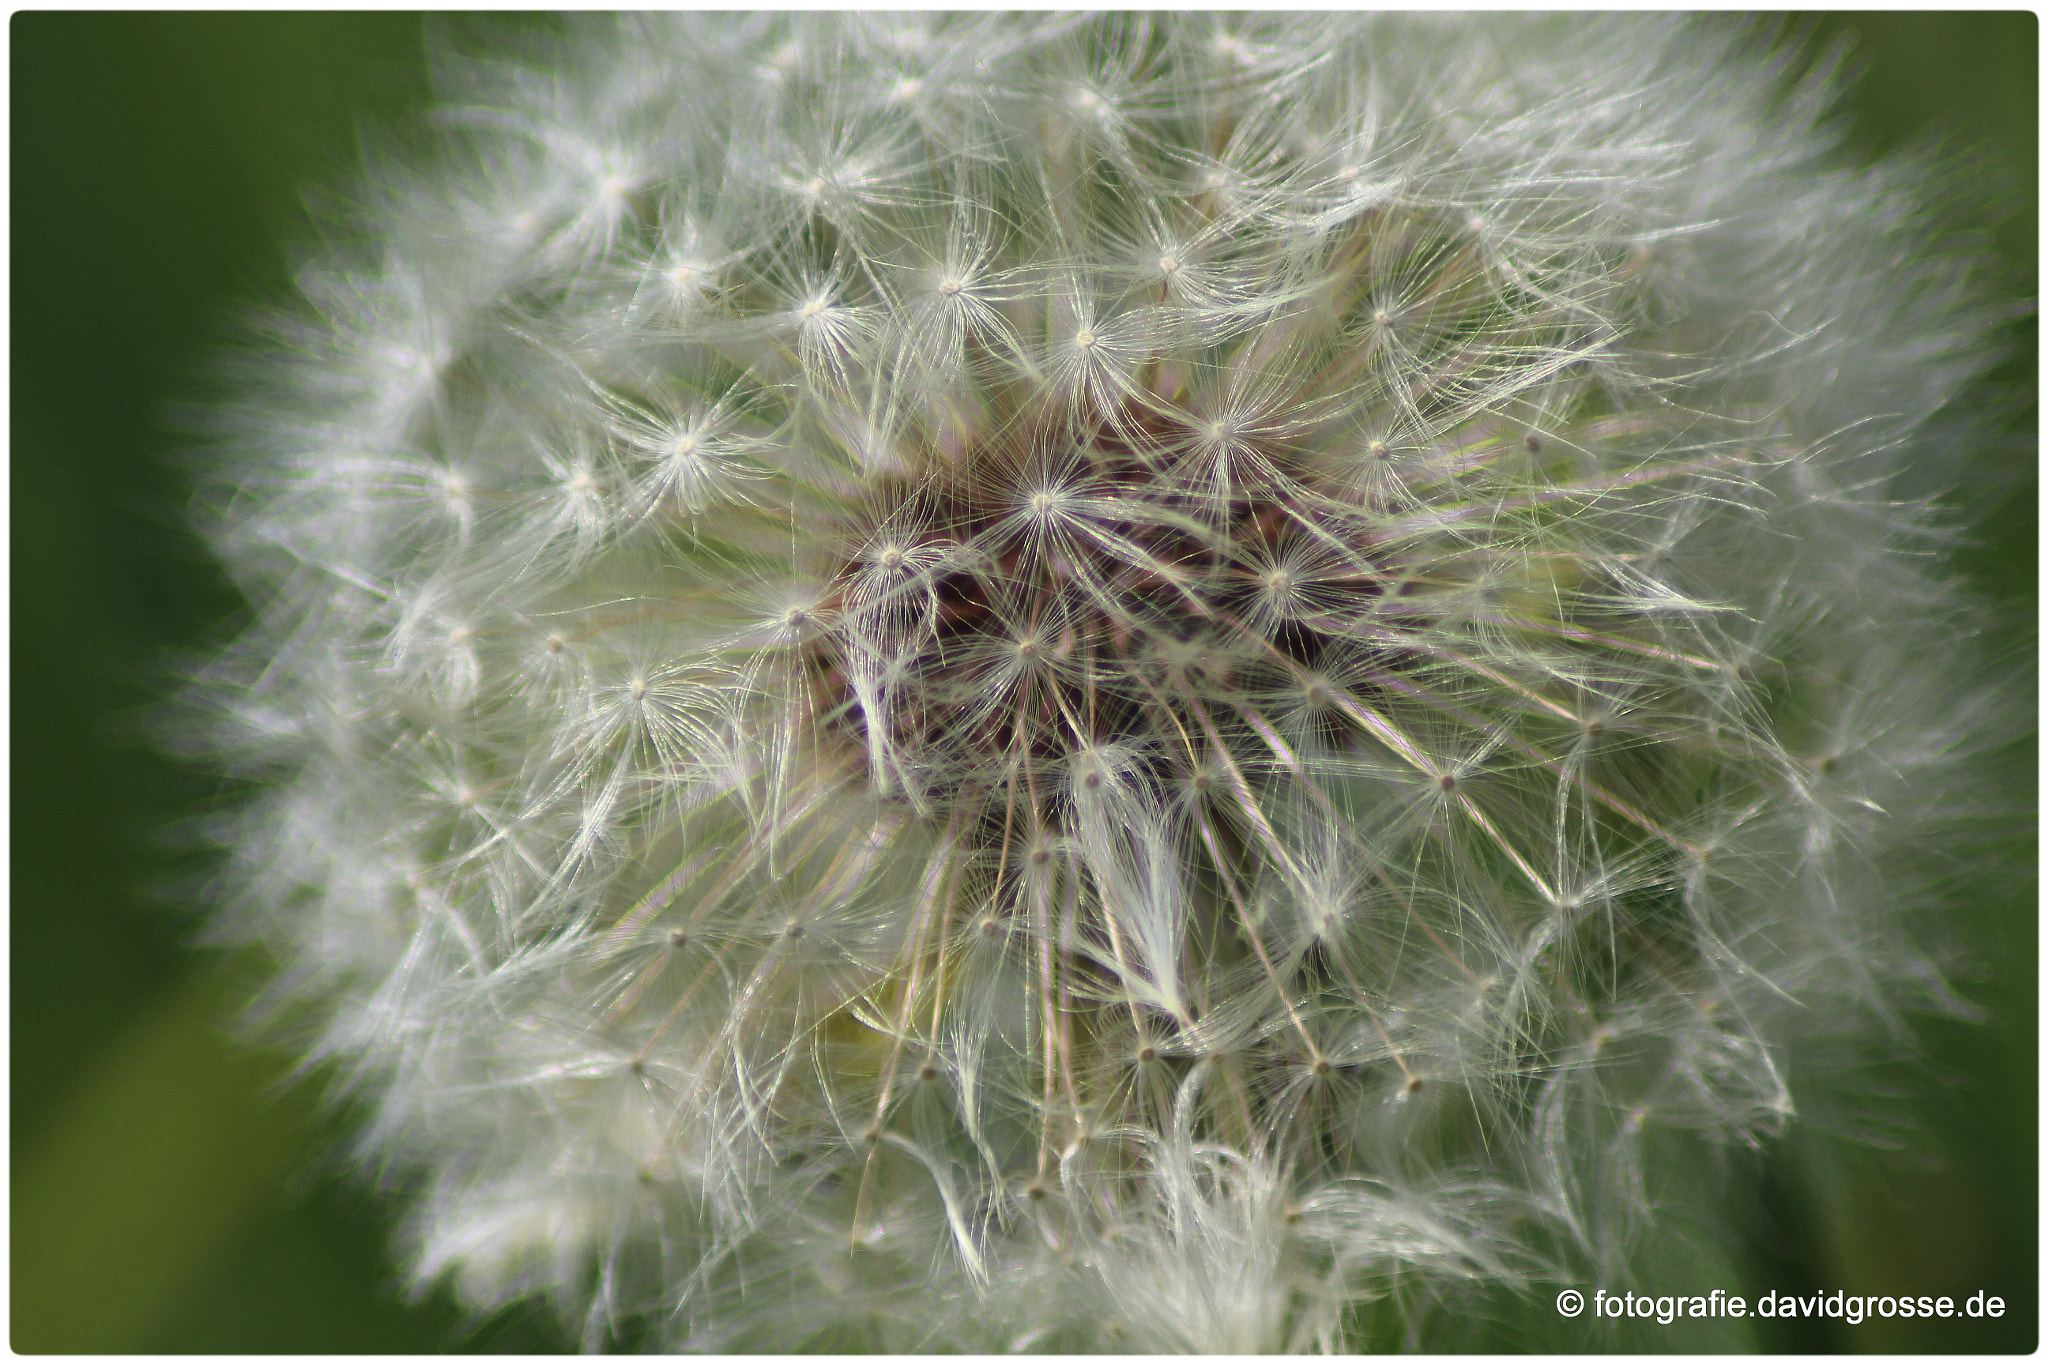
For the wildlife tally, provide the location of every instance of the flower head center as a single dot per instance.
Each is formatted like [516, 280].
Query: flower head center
[1090, 598]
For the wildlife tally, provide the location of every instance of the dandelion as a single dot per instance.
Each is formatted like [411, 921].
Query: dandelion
[1136, 683]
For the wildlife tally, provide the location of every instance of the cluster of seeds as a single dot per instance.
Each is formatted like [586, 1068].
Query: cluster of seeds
[1033, 682]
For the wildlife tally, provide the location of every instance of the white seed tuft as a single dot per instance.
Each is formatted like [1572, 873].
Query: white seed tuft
[1018, 681]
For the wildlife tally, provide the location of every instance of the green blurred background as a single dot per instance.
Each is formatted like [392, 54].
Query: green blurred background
[169, 1194]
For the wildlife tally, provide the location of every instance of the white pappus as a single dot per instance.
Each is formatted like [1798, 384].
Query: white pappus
[1138, 683]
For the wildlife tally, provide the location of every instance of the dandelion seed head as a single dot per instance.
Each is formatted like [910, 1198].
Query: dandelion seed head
[969, 701]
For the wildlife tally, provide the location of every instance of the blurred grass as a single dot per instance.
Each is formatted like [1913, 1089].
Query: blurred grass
[166, 1197]
[173, 1132]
